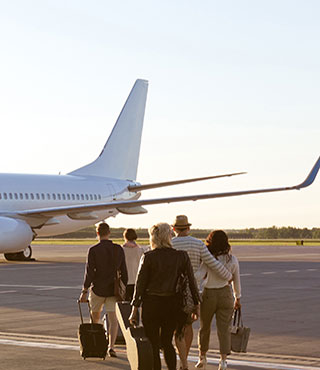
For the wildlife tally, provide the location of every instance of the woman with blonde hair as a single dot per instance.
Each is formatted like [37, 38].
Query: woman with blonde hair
[155, 288]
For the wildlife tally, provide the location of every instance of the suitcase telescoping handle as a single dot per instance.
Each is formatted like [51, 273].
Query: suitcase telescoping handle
[80, 310]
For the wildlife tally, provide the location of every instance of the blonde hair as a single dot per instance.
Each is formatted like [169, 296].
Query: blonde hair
[160, 235]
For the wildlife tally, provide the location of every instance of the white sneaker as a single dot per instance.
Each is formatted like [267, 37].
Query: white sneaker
[202, 362]
[222, 365]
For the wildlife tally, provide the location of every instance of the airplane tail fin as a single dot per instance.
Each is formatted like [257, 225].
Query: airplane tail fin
[120, 156]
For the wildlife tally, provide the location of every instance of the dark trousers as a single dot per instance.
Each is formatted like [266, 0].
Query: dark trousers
[159, 321]
[217, 302]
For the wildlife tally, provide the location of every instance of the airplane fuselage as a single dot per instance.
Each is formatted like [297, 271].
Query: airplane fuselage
[19, 192]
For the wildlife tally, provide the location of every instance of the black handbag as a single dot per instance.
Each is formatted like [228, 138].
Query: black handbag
[119, 287]
[239, 333]
[184, 294]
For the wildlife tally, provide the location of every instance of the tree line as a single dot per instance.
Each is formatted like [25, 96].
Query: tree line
[250, 233]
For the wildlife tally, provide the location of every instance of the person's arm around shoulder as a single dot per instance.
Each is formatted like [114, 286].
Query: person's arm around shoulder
[214, 264]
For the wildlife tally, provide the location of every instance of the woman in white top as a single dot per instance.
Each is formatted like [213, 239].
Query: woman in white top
[217, 298]
[133, 253]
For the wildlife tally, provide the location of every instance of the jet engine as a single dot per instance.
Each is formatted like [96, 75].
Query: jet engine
[15, 235]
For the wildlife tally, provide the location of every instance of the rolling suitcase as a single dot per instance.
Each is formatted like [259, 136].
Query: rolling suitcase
[139, 349]
[92, 338]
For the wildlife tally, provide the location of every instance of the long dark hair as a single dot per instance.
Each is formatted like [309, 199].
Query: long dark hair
[217, 243]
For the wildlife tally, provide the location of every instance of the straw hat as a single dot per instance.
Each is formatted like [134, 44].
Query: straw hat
[181, 222]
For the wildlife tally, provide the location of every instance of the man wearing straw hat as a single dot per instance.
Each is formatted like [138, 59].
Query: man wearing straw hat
[198, 252]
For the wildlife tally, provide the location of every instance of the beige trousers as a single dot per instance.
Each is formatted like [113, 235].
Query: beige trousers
[217, 302]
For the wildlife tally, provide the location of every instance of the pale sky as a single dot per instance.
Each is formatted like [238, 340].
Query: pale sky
[234, 85]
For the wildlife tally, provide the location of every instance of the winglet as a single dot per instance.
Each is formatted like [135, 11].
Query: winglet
[310, 178]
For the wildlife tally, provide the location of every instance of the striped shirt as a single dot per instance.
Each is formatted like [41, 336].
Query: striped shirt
[198, 252]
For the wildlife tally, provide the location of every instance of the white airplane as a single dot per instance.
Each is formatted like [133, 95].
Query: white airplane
[47, 205]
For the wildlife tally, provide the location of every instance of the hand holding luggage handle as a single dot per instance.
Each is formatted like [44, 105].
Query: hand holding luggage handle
[237, 320]
[79, 304]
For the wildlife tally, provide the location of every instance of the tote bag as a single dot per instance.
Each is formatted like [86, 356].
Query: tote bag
[239, 333]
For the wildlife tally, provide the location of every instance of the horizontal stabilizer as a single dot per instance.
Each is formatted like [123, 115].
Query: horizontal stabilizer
[178, 182]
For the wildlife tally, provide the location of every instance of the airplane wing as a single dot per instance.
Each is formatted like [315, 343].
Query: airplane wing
[178, 182]
[88, 208]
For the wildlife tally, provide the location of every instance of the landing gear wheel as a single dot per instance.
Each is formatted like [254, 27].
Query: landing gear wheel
[26, 254]
[20, 256]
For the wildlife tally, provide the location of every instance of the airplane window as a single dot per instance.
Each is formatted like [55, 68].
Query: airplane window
[73, 196]
[59, 197]
[10, 195]
[82, 197]
[87, 197]
[63, 196]
[43, 196]
[78, 197]
[26, 195]
[48, 196]
[15, 196]
[95, 197]
[31, 196]
[53, 196]
[91, 197]
[38, 196]
[21, 196]
[5, 196]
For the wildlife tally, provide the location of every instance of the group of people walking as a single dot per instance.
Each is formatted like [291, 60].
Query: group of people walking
[152, 278]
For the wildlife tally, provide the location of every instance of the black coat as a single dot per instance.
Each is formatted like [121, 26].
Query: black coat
[104, 259]
[158, 274]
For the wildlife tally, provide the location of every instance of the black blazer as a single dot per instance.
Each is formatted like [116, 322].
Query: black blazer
[103, 260]
[158, 274]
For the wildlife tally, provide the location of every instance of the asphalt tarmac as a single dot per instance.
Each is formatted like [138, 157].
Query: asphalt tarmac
[39, 314]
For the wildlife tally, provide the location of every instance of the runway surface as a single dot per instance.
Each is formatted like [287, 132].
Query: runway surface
[39, 313]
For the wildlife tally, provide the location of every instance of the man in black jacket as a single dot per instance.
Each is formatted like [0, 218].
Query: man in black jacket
[103, 260]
